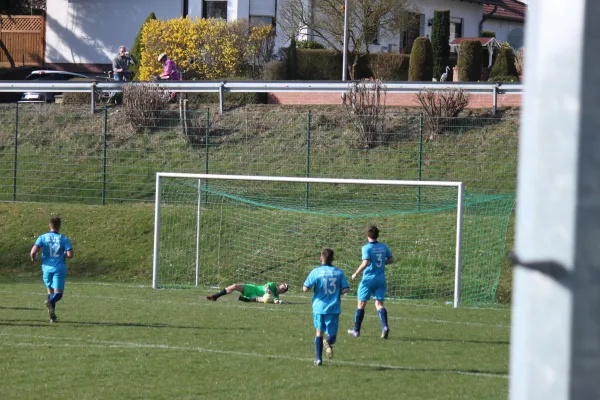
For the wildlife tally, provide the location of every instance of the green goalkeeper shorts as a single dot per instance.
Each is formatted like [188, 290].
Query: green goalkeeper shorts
[252, 291]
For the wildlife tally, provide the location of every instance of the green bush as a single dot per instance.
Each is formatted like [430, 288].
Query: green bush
[136, 50]
[487, 34]
[508, 79]
[81, 98]
[292, 59]
[309, 44]
[469, 60]
[421, 61]
[320, 65]
[440, 42]
[504, 64]
[385, 66]
[275, 71]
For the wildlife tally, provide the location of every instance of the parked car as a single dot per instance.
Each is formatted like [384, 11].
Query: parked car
[47, 75]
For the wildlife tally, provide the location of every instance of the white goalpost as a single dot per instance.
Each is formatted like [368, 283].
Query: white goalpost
[223, 220]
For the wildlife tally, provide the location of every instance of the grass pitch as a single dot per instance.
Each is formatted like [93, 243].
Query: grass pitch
[116, 341]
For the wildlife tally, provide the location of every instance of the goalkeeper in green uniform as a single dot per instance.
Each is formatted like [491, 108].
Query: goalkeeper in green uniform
[253, 293]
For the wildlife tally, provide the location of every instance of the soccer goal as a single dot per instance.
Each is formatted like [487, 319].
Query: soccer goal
[215, 230]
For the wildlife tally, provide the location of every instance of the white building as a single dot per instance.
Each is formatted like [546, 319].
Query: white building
[507, 21]
[85, 34]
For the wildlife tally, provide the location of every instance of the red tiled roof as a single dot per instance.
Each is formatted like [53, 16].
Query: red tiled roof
[511, 10]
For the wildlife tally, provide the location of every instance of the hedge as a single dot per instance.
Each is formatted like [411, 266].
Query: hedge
[421, 61]
[469, 60]
[440, 42]
[326, 65]
[504, 64]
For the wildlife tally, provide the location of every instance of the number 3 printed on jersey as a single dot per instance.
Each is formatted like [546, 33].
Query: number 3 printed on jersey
[379, 261]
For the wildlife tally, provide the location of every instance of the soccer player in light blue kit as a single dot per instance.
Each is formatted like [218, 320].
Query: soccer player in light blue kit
[375, 256]
[55, 248]
[329, 284]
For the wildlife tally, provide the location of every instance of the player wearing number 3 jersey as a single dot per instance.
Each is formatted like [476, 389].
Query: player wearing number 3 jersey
[375, 256]
[329, 283]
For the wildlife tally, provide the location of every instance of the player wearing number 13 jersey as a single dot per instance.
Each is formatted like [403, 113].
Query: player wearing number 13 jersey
[329, 283]
[375, 256]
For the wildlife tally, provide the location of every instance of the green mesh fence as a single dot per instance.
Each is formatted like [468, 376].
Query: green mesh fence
[262, 231]
[103, 158]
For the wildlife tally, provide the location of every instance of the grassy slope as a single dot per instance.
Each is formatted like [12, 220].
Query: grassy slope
[116, 240]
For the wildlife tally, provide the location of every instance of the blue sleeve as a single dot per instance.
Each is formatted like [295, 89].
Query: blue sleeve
[388, 253]
[67, 244]
[365, 253]
[345, 284]
[310, 280]
[39, 242]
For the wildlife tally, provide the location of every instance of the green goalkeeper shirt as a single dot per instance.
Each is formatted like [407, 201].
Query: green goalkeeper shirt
[251, 291]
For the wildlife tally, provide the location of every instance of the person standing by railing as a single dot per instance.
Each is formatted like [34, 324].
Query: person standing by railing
[120, 68]
[121, 64]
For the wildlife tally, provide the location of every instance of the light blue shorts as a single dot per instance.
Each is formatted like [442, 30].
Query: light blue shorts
[327, 323]
[375, 288]
[55, 278]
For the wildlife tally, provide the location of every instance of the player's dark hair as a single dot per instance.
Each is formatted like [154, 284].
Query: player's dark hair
[327, 255]
[373, 232]
[285, 287]
[55, 223]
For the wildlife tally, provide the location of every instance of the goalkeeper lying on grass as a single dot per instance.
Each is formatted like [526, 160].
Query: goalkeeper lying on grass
[269, 293]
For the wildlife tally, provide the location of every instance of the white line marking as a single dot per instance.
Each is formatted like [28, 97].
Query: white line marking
[111, 344]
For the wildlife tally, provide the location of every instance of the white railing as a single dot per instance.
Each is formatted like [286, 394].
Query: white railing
[221, 87]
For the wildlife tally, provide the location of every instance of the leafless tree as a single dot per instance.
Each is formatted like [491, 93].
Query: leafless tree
[367, 20]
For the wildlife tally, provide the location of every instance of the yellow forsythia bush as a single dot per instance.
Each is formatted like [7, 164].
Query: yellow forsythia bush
[220, 48]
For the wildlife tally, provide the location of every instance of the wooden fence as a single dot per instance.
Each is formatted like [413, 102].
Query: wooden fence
[22, 40]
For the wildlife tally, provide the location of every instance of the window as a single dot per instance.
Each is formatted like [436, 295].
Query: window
[214, 9]
[257, 20]
[456, 28]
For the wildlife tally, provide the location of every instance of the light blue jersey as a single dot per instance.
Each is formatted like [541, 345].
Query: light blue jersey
[328, 282]
[53, 247]
[376, 253]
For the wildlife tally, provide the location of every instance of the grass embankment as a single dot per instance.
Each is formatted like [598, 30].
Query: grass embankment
[115, 241]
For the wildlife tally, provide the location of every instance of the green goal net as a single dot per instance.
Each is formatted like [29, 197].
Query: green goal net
[215, 232]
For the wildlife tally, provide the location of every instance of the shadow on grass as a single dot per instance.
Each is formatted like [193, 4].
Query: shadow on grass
[499, 342]
[21, 322]
[375, 367]
[20, 308]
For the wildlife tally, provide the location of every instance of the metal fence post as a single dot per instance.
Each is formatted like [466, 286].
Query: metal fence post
[420, 161]
[105, 160]
[16, 155]
[93, 97]
[495, 100]
[308, 155]
[206, 138]
[221, 100]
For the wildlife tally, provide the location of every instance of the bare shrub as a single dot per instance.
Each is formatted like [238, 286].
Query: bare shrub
[386, 66]
[440, 107]
[366, 110]
[519, 59]
[145, 103]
